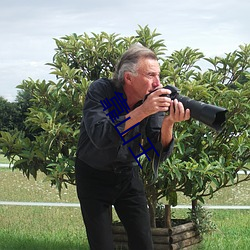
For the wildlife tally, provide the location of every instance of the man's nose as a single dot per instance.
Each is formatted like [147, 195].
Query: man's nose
[157, 82]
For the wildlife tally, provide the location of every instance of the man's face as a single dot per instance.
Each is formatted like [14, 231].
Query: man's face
[147, 78]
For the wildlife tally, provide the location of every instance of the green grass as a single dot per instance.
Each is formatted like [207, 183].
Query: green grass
[233, 231]
[35, 228]
[17, 187]
[54, 228]
[236, 195]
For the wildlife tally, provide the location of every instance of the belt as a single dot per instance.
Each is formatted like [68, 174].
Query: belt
[123, 169]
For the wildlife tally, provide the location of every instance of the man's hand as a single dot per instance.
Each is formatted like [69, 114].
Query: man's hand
[156, 103]
[177, 113]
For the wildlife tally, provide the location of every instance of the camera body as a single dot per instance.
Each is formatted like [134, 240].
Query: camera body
[174, 92]
[211, 115]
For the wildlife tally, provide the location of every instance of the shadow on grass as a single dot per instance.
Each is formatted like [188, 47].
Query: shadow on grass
[12, 242]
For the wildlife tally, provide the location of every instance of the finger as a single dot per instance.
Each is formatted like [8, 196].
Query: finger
[162, 92]
[177, 108]
[187, 114]
[165, 100]
[172, 109]
[181, 110]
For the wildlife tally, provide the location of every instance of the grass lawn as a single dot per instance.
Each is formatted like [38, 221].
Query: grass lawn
[61, 228]
[233, 231]
[35, 228]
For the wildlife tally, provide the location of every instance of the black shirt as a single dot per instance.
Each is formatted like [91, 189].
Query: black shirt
[101, 146]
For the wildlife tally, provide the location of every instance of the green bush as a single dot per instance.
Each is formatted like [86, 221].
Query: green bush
[203, 161]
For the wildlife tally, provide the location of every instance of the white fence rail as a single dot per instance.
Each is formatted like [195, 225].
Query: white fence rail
[65, 204]
[3, 165]
[39, 204]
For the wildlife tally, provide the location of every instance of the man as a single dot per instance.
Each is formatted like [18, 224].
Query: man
[106, 165]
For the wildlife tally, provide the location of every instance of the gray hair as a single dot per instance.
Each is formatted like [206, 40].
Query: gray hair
[129, 61]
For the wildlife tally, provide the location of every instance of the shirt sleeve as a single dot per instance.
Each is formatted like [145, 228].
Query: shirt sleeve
[99, 127]
[153, 132]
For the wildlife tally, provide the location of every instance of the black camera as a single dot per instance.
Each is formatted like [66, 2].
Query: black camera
[211, 115]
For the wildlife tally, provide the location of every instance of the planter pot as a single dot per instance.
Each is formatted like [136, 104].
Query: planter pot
[183, 236]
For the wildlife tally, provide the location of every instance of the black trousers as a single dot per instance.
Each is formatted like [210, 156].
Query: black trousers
[98, 191]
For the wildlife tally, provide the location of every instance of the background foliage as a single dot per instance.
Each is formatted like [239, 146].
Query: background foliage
[203, 161]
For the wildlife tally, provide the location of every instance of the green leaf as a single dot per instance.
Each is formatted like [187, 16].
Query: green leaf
[172, 198]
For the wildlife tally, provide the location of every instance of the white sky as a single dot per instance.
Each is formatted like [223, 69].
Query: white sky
[27, 29]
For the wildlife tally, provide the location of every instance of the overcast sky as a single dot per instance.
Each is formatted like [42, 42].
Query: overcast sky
[27, 29]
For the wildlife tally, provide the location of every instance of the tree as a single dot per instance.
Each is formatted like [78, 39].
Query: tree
[23, 103]
[13, 114]
[203, 161]
[10, 115]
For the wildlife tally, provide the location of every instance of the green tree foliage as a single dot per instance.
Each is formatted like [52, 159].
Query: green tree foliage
[203, 161]
[13, 114]
[10, 115]
[52, 124]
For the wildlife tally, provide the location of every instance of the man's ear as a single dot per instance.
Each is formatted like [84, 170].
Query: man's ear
[128, 78]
